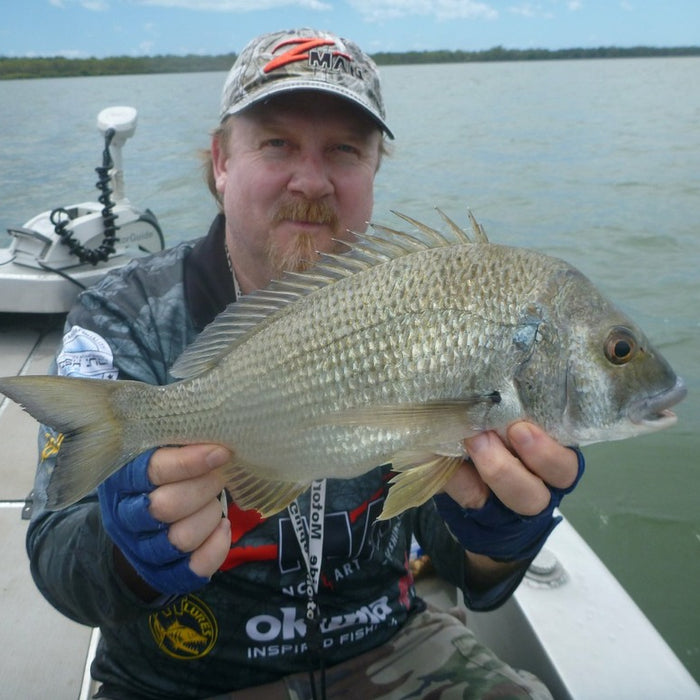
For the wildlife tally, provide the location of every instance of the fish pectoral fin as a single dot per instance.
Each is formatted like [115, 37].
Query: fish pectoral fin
[267, 496]
[411, 415]
[415, 484]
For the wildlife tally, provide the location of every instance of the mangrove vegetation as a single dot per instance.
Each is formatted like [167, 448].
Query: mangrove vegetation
[59, 66]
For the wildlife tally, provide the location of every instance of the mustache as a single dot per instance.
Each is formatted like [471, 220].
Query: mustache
[310, 211]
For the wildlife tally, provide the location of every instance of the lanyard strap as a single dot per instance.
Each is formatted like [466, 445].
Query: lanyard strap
[311, 544]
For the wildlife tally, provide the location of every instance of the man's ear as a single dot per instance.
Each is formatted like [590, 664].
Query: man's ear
[219, 163]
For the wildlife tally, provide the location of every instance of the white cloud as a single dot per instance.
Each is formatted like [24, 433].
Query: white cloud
[65, 53]
[531, 9]
[238, 5]
[212, 5]
[93, 5]
[545, 9]
[524, 10]
[378, 10]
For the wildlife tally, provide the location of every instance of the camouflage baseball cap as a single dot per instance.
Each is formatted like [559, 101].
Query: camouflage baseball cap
[303, 59]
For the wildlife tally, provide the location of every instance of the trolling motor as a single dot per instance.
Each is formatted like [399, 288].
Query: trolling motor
[79, 243]
[87, 232]
[117, 124]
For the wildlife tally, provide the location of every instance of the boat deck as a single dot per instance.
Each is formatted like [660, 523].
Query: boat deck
[45, 652]
[577, 630]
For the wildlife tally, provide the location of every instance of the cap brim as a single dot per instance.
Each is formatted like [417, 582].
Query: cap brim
[292, 85]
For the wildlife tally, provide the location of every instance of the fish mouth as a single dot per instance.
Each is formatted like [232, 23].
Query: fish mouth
[653, 412]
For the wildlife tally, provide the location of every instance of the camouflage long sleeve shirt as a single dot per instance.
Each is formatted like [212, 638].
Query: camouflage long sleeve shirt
[247, 625]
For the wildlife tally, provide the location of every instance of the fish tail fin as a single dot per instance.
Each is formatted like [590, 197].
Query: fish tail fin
[92, 442]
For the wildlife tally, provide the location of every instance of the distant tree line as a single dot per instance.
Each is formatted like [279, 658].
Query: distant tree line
[499, 53]
[58, 66]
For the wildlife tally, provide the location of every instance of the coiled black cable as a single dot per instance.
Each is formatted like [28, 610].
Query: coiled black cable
[60, 217]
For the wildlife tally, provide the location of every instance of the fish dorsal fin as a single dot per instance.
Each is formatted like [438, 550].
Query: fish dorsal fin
[252, 312]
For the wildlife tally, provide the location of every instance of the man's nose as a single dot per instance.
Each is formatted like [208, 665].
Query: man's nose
[311, 177]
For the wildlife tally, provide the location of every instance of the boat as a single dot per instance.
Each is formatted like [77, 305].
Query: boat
[570, 622]
[59, 252]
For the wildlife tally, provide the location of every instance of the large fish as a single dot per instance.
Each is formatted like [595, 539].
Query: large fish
[393, 352]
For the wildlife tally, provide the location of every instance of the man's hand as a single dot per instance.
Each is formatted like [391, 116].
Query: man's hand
[518, 476]
[188, 484]
[163, 513]
[500, 503]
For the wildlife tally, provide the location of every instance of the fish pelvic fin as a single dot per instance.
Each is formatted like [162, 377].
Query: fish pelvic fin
[81, 410]
[415, 484]
[267, 496]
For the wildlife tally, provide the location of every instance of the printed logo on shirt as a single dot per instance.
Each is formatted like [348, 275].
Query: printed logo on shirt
[85, 354]
[185, 630]
[285, 633]
[347, 536]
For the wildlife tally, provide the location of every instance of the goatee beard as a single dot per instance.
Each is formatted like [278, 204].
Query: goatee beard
[300, 254]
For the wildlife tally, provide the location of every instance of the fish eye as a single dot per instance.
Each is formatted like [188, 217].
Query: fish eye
[621, 345]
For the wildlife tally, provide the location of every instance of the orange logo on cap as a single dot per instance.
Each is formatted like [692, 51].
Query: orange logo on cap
[300, 52]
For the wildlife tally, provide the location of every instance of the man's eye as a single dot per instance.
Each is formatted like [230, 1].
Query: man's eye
[276, 143]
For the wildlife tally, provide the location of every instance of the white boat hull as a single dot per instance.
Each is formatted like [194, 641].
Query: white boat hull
[31, 290]
[585, 638]
[39, 274]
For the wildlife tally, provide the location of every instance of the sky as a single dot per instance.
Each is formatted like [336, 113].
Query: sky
[99, 28]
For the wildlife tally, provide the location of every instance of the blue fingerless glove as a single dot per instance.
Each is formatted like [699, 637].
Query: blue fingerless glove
[124, 503]
[498, 532]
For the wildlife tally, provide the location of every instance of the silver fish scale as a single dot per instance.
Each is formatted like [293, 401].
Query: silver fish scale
[385, 336]
[394, 352]
[343, 378]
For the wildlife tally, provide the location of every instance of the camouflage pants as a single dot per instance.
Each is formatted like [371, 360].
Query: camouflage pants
[435, 656]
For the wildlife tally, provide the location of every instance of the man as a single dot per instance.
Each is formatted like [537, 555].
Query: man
[194, 605]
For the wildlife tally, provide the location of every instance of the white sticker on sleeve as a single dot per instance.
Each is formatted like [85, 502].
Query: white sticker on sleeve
[85, 354]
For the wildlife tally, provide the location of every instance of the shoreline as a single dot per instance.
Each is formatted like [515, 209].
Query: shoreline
[22, 68]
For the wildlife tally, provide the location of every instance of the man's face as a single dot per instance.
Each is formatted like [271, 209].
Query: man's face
[298, 172]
